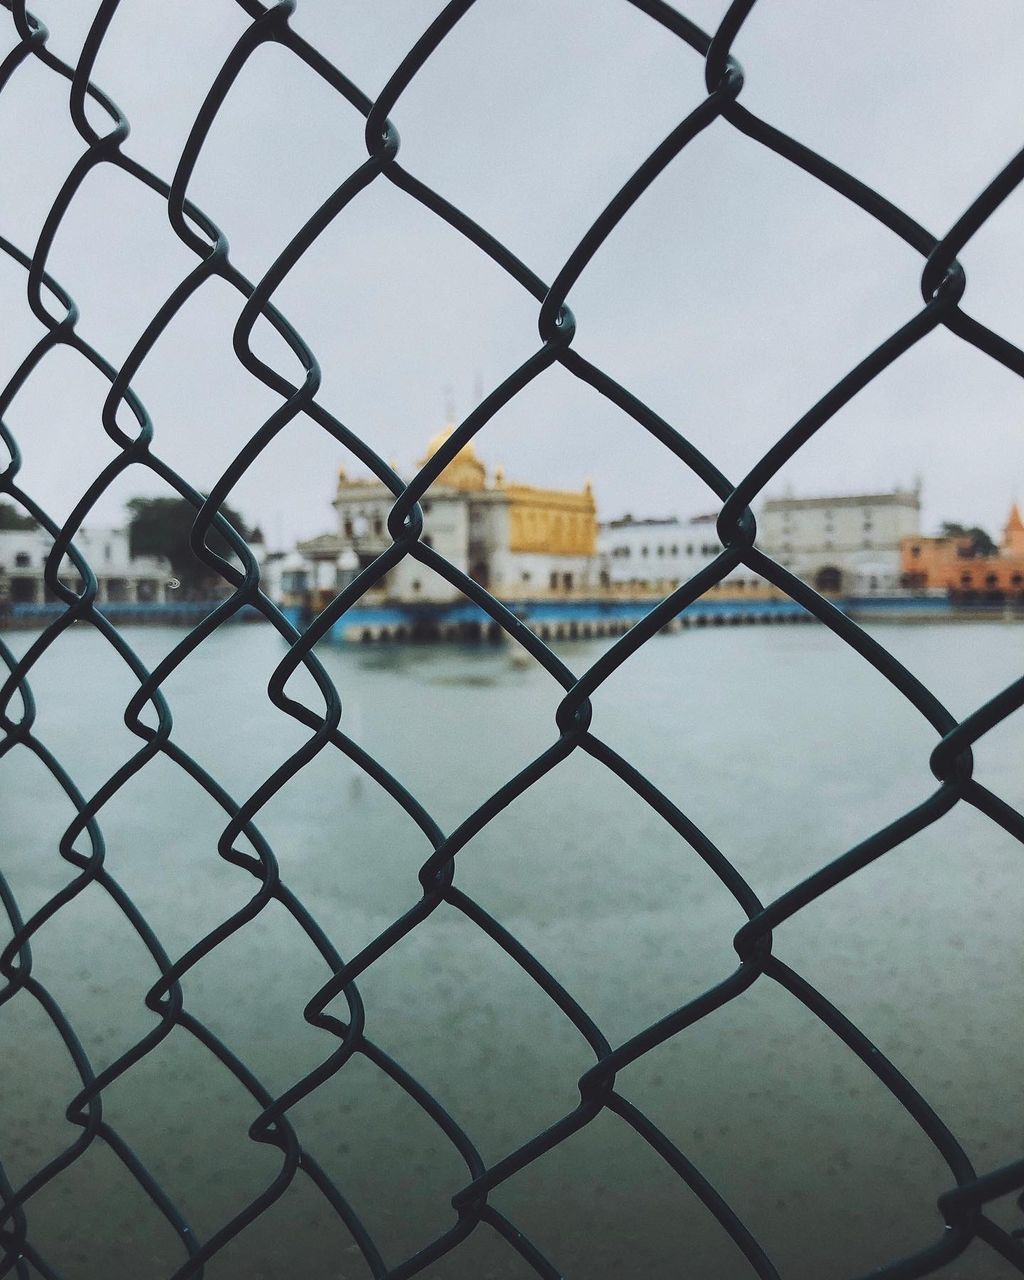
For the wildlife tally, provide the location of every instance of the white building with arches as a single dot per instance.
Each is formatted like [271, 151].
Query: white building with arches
[846, 543]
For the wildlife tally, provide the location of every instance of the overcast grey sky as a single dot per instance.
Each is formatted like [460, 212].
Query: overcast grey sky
[735, 293]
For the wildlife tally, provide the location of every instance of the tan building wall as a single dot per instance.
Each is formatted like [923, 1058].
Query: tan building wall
[946, 564]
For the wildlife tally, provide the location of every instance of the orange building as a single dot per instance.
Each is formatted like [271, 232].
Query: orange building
[946, 564]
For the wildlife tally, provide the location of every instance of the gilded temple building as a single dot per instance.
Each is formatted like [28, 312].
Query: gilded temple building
[517, 540]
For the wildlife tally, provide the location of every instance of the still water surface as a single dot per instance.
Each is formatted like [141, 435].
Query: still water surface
[783, 746]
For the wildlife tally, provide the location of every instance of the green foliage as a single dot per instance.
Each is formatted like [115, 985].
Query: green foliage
[12, 518]
[162, 526]
[981, 543]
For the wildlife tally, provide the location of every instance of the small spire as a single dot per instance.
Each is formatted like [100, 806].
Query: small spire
[1013, 533]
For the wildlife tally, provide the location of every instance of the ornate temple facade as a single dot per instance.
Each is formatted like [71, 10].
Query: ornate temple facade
[517, 540]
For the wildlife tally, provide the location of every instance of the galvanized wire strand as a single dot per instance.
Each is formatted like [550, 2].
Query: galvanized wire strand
[24, 932]
[171, 976]
[943, 285]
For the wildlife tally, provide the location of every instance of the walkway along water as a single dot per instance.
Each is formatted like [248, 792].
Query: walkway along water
[550, 617]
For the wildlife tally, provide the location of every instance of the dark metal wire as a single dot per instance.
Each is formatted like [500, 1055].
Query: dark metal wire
[962, 1219]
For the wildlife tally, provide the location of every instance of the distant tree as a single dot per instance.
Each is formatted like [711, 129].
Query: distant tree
[162, 526]
[981, 543]
[11, 518]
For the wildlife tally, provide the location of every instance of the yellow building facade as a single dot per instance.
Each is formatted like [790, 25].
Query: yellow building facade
[552, 521]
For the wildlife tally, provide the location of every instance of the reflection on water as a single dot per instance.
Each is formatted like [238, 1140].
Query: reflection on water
[782, 746]
[474, 680]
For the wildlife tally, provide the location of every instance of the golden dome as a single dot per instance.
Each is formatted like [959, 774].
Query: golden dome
[465, 471]
[467, 451]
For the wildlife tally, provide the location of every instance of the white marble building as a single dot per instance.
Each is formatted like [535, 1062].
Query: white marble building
[847, 543]
[662, 553]
[120, 576]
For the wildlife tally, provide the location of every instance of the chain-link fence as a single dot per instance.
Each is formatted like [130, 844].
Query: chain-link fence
[961, 1217]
